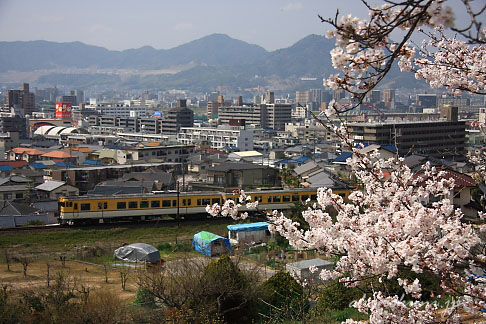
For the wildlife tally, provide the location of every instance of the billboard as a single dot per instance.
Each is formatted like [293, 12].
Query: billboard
[157, 113]
[63, 110]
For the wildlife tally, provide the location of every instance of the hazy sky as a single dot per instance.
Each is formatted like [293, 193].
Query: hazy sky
[123, 24]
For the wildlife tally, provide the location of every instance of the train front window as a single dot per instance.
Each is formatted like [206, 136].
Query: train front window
[133, 204]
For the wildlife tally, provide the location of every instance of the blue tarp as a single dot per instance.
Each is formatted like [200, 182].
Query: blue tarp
[38, 165]
[64, 164]
[5, 167]
[93, 162]
[260, 226]
[210, 244]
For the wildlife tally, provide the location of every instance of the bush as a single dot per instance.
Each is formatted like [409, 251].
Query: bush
[165, 247]
[337, 297]
[144, 298]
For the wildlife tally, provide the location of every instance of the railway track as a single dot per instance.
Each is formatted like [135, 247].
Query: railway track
[161, 223]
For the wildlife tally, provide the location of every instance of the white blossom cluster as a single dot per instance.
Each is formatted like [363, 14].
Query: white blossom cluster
[365, 49]
[385, 227]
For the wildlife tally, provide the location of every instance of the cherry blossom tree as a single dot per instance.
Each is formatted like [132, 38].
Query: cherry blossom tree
[365, 49]
[387, 226]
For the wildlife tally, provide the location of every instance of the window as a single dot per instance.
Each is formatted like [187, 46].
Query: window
[133, 204]
[286, 198]
[121, 205]
[183, 202]
[313, 197]
[206, 201]
[295, 198]
[144, 204]
[86, 206]
[276, 198]
[269, 199]
[19, 195]
[305, 197]
[75, 205]
[188, 202]
[155, 204]
[174, 203]
[165, 203]
[215, 201]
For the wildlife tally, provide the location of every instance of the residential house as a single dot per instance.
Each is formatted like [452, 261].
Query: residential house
[53, 189]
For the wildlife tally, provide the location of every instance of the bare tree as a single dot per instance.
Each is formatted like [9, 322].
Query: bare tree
[124, 274]
[25, 261]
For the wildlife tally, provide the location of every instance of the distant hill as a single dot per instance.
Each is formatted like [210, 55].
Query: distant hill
[203, 64]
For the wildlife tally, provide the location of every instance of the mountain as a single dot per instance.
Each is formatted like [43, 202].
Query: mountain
[216, 49]
[203, 64]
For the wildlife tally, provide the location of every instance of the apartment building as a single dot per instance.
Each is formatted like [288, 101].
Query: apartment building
[218, 138]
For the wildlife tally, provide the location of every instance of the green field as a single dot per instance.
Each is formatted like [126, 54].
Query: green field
[71, 240]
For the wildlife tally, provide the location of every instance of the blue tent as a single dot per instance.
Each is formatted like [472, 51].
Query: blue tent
[211, 244]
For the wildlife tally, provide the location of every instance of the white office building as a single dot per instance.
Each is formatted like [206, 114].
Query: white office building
[218, 138]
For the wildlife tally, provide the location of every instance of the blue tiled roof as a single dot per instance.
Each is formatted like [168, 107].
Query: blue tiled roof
[38, 165]
[389, 147]
[343, 157]
[286, 161]
[93, 162]
[64, 164]
[302, 159]
[5, 168]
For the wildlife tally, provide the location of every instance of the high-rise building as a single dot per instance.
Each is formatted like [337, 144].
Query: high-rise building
[375, 96]
[302, 97]
[22, 101]
[178, 117]
[389, 98]
[315, 95]
[270, 97]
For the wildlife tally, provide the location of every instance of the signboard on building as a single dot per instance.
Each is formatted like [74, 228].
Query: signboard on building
[157, 113]
[63, 110]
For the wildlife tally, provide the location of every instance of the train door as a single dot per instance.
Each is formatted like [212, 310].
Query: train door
[101, 207]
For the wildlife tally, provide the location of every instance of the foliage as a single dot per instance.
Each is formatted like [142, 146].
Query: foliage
[336, 297]
[144, 298]
[281, 291]
[35, 223]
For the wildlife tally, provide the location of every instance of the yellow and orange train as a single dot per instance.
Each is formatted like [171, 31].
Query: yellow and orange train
[104, 209]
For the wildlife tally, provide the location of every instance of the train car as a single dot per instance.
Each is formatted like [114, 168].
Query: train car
[139, 207]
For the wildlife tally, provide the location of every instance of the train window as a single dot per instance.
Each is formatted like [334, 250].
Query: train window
[121, 205]
[258, 198]
[70, 204]
[105, 205]
[165, 203]
[76, 206]
[100, 205]
[269, 199]
[189, 202]
[133, 204]
[199, 202]
[313, 197]
[62, 204]
[342, 195]
[206, 201]
[174, 203]
[144, 204]
[285, 198]
[85, 206]
[305, 197]
[215, 201]
[295, 197]
[183, 202]
[155, 204]
[276, 198]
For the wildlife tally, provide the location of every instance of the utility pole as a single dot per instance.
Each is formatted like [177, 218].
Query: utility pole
[178, 194]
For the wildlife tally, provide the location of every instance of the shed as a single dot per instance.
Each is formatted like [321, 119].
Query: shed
[252, 232]
[138, 252]
[211, 244]
[301, 270]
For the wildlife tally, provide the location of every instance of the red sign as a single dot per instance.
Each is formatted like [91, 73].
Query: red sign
[63, 109]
